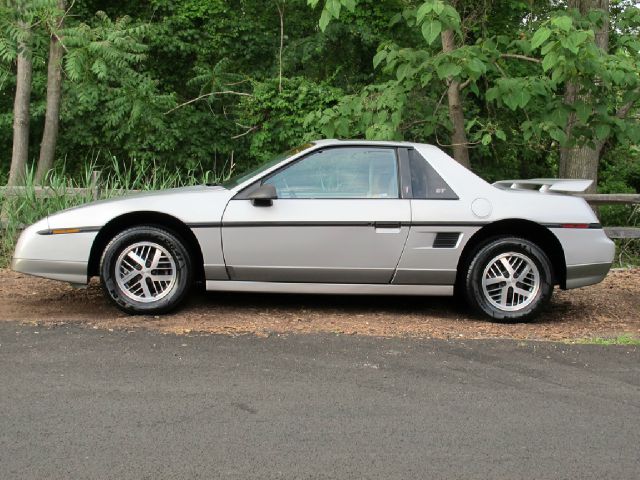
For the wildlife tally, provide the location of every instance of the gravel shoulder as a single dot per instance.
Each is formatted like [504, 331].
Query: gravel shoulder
[608, 309]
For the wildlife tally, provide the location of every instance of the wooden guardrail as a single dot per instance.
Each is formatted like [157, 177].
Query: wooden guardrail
[95, 192]
[597, 199]
[611, 198]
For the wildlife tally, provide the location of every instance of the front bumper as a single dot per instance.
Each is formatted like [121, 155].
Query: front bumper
[58, 257]
[66, 271]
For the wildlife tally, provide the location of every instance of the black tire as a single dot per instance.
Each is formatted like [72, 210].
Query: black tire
[172, 248]
[481, 299]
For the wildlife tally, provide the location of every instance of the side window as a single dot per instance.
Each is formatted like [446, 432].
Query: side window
[426, 183]
[350, 172]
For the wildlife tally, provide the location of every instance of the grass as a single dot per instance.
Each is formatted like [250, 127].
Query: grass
[116, 179]
[619, 340]
[627, 250]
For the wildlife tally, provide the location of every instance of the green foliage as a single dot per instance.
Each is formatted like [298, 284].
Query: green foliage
[332, 10]
[174, 85]
[569, 54]
[375, 114]
[277, 118]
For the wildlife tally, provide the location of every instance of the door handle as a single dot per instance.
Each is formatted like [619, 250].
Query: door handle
[386, 224]
[387, 227]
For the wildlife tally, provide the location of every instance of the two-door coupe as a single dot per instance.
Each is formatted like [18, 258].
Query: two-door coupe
[337, 217]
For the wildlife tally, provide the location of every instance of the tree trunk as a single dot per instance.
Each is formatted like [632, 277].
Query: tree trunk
[280, 8]
[20, 151]
[456, 113]
[582, 161]
[54, 93]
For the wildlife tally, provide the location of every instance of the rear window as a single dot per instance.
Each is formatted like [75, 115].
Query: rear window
[426, 183]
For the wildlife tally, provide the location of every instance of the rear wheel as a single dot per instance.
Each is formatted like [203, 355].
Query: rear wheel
[509, 279]
[146, 270]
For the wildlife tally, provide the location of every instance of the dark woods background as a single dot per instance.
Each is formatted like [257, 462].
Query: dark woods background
[512, 88]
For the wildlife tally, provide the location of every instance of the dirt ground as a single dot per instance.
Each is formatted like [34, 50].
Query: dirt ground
[609, 309]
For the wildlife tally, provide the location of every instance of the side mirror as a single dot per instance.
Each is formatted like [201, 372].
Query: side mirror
[264, 196]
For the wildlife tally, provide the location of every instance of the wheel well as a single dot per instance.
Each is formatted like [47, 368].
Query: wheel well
[118, 224]
[534, 232]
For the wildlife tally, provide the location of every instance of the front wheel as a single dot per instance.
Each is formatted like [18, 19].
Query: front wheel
[509, 279]
[146, 270]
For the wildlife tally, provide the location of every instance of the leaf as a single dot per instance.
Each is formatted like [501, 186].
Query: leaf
[446, 70]
[381, 55]
[569, 43]
[493, 93]
[424, 9]
[549, 61]
[476, 66]
[501, 135]
[452, 16]
[486, 139]
[563, 22]
[516, 98]
[395, 19]
[558, 135]
[548, 47]
[401, 72]
[583, 111]
[425, 78]
[325, 18]
[431, 30]
[559, 117]
[602, 131]
[350, 4]
[558, 75]
[438, 7]
[541, 36]
[333, 6]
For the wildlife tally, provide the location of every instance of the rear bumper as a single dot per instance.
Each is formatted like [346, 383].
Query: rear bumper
[588, 253]
[586, 274]
[72, 272]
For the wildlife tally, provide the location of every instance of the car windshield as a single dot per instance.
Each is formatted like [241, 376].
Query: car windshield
[240, 178]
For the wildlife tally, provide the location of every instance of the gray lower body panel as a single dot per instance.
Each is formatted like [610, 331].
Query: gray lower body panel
[310, 274]
[72, 272]
[330, 288]
[586, 274]
[421, 276]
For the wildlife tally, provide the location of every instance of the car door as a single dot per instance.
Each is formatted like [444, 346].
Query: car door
[338, 218]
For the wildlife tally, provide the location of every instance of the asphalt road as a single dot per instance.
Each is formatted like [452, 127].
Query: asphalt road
[86, 404]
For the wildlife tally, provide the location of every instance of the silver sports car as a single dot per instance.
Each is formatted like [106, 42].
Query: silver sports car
[334, 217]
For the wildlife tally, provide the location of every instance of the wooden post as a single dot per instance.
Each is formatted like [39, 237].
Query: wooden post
[95, 184]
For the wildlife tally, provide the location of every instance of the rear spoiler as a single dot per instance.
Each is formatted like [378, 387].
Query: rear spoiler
[564, 185]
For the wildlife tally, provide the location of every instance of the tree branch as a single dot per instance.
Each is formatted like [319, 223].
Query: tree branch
[497, 65]
[245, 133]
[205, 95]
[464, 84]
[624, 110]
[520, 57]
[281, 15]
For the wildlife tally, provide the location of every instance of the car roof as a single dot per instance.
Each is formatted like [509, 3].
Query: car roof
[335, 142]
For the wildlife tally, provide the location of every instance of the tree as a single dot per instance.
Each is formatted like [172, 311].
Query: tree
[436, 18]
[54, 93]
[582, 160]
[20, 152]
[456, 111]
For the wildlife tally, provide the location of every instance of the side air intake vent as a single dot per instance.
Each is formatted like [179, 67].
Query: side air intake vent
[446, 240]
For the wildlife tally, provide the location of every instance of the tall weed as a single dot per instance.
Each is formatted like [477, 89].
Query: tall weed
[116, 179]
